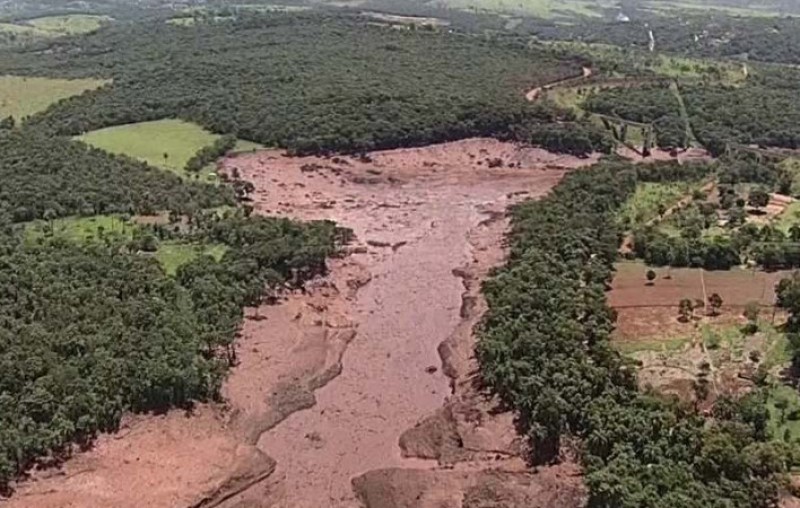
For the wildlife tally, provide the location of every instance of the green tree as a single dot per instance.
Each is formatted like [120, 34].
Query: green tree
[758, 199]
[751, 312]
[714, 303]
[685, 310]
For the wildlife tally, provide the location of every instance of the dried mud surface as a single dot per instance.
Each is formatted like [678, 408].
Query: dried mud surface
[361, 390]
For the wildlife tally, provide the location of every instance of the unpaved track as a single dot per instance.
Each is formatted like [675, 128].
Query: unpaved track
[364, 380]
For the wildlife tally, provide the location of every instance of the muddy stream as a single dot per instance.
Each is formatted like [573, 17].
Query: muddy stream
[359, 391]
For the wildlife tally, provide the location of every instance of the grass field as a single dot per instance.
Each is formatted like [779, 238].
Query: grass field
[783, 404]
[704, 7]
[22, 96]
[70, 24]
[789, 217]
[23, 30]
[650, 199]
[173, 255]
[166, 144]
[539, 8]
[48, 27]
[80, 229]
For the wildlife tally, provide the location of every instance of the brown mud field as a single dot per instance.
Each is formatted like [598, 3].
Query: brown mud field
[360, 390]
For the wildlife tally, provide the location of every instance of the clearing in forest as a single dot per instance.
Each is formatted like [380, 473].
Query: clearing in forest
[539, 8]
[166, 144]
[22, 96]
[170, 254]
[70, 24]
[706, 351]
[649, 311]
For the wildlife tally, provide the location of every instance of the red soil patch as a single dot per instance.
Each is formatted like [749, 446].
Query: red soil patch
[737, 286]
[647, 312]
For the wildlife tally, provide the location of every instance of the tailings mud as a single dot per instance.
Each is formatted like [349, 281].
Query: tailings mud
[429, 224]
[361, 389]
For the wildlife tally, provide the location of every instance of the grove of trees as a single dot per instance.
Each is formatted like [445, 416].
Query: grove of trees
[89, 331]
[45, 175]
[544, 348]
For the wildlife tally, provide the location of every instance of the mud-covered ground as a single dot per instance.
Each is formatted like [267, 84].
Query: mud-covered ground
[360, 390]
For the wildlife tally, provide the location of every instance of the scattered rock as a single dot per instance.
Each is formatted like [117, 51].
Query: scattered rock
[431, 369]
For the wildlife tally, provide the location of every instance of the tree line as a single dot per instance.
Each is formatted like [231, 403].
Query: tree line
[544, 348]
[45, 176]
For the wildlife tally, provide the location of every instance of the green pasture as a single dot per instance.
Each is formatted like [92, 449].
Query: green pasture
[22, 96]
[166, 144]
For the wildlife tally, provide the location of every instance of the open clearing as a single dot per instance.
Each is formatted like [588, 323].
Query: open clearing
[343, 388]
[70, 24]
[539, 8]
[170, 254]
[166, 144]
[48, 27]
[23, 96]
[706, 356]
[651, 311]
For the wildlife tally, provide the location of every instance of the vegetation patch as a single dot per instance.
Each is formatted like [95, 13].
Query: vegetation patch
[544, 348]
[651, 201]
[173, 255]
[45, 177]
[166, 144]
[22, 96]
[114, 333]
[70, 24]
[783, 403]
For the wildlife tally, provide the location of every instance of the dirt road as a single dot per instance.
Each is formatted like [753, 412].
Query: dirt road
[534, 93]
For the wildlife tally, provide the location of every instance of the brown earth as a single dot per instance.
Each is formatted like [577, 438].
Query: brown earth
[333, 379]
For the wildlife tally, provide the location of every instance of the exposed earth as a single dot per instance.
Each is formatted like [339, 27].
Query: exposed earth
[360, 390]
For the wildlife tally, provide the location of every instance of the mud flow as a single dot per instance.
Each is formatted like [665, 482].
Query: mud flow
[361, 390]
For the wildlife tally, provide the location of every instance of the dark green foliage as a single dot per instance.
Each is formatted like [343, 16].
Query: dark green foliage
[311, 83]
[544, 348]
[576, 138]
[768, 39]
[651, 104]
[45, 175]
[763, 113]
[88, 332]
[209, 154]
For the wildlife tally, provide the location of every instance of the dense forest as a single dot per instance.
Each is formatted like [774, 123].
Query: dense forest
[73, 356]
[653, 104]
[47, 177]
[544, 347]
[311, 83]
[766, 112]
[710, 35]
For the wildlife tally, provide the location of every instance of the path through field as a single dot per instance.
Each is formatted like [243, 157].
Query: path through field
[534, 93]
